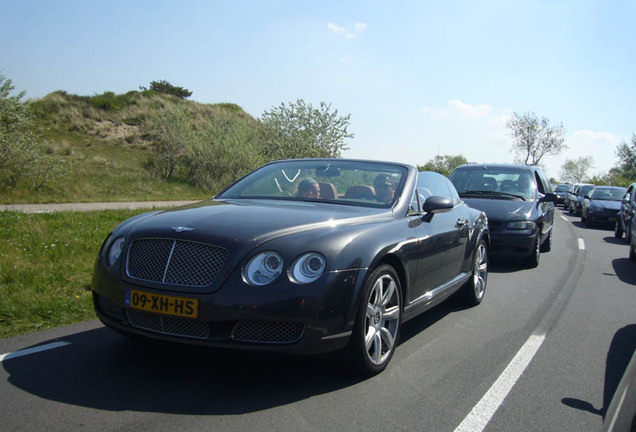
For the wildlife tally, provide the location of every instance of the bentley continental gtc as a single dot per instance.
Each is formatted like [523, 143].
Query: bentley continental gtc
[300, 256]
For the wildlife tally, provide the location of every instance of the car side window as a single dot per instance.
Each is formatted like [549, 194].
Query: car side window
[541, 188]
[432, 183]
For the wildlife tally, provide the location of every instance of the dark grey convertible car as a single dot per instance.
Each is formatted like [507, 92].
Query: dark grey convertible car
[300, 256]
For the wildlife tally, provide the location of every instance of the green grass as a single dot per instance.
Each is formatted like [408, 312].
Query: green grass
[46, 263]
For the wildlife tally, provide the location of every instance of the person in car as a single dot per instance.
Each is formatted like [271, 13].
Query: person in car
[308, 188]
[384, 188]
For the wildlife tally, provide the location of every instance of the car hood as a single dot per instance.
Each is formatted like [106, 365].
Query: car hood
[503, 210]
[606, 205]
[231, 223]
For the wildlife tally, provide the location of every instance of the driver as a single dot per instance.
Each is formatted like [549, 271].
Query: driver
[384, 188]
[308, 188]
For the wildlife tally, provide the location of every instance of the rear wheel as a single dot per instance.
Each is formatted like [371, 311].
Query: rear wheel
[475, 288]
[378, 322]
[632, 253]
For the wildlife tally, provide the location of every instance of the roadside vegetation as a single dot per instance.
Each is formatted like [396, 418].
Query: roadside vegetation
[151, 144]
[46, 263]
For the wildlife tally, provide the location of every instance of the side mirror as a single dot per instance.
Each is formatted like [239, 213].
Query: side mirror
[586, 197]
[548, 197]
[437, 204]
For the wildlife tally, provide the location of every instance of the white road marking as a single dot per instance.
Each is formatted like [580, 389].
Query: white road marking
[482, 413]
[581, 244]
[37, 349]
[565, 219]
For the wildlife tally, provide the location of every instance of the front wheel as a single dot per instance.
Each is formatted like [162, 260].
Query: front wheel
[547, 243]
[378, 321]
[618, 231]
[475, 288]
[533, 259]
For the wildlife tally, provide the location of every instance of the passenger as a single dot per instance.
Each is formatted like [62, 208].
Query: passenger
[384, 188]
[308, 188]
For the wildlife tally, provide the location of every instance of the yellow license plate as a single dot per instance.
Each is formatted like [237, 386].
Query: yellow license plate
[163, 304]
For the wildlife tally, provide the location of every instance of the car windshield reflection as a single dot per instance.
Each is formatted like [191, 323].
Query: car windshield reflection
[368, 184]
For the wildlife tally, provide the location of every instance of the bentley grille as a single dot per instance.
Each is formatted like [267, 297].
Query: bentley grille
[168, 325]
[175, 262]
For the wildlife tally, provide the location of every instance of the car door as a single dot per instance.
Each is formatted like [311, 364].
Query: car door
[547, 208]
[443, 237]
[628, 208]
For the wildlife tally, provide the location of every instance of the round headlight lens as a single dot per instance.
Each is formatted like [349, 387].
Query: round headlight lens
[115, 250]
[307, 268]
[263, 268]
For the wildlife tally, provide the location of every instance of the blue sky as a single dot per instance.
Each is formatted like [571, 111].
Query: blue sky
[419, 78]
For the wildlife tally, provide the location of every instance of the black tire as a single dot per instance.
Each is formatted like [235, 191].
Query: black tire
[378, 322]
[547, 243]
[618, 230]
[632, 253]
[472, 293]
[583, 219]
[535, 256]
[628, 232]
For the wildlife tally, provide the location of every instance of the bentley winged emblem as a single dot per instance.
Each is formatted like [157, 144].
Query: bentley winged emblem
[182, 228]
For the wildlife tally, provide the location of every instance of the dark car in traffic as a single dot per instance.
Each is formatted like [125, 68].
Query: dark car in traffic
[519, 203]
[576, 198]
[300, 256]
[626, 213]
[560, 191]
[601, 204]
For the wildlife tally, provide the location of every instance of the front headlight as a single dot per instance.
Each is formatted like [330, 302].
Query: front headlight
[263, 268]
[115, 250]
[521, 225]
[307, 268]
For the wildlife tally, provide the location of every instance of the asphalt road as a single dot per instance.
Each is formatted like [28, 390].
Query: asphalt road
[544, 352]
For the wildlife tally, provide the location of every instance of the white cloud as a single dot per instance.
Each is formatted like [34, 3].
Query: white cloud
[471, 111]
[358, 27]
[436, 112]
[336, 29]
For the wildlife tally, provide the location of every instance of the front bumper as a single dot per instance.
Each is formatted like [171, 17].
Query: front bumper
[602, 216]
[511, 243]
[300, 319]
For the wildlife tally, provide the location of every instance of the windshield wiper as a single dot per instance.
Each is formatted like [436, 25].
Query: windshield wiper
[496, 193]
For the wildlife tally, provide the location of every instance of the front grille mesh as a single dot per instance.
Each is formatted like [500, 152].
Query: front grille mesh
[168, 325]
[268, 331]
[175, 262]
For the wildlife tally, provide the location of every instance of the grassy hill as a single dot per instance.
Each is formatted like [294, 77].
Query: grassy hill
[101, 146]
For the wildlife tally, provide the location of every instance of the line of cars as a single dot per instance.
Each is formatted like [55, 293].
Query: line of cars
[603, 204]
[317, 255]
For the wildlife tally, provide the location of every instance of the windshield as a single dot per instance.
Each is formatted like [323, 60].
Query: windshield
[494, 182]
[561, 188]
[613, 194]
[369, 184]
[585, 189]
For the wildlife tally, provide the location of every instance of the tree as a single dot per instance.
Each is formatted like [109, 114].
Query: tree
[534, 138]
[576, 170]
[443, 164]
[22, 155]
[165, 87]
[298, 130]
[626, 154]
